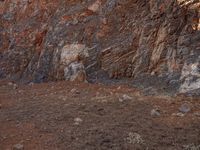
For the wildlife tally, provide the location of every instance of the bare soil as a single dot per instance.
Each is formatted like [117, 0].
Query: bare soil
[72, 116]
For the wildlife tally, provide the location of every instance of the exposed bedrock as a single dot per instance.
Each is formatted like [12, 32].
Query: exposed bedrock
[43, 40]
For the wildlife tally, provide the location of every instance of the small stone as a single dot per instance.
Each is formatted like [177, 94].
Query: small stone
[119, 87]
[10, 83]
[31, 84]
[75, 22]
[135, 138]
[95, 6]
[64, 98]
[121, 100]
[15, 86]
[0, 106]
[126, 97]
[196, 114]
[75, 91]
[185, 108]
[18, 147]
[178, 114]
[153, 73]
[155, 113]
[77, 121]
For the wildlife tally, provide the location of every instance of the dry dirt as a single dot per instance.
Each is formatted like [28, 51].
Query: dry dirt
[72, 116]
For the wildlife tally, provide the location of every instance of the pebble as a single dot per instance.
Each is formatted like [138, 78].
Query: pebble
[64, 98]
[155, 113]
[75, 91]
[185, 108]
[135, 138]
[31, 84]
[77, 121]
[178, 114]
[18, 147]
[196, 114]
[15, 86]
[10, 83]
[125, 97]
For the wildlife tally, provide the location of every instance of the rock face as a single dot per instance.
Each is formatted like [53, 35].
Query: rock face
[44, 40]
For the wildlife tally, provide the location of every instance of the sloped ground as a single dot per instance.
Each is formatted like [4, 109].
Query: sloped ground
[72, 116]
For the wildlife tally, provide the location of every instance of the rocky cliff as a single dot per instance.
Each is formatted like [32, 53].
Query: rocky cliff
[43, 40]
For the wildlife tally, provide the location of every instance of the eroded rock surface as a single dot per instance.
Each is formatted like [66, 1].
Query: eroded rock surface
[123, 38]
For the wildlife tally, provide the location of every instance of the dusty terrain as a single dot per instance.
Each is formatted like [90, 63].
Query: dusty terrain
[71, 116]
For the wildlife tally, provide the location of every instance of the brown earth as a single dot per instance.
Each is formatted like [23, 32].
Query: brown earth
[72, 116]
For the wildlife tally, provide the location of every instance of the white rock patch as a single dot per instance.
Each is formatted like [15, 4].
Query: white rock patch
[191, 77]
[72, 58]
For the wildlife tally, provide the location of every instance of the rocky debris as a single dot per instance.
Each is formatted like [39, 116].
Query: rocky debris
[78, 121]
[18, 147]
[10, 83]
[95, 6]
[155, 112]
[15, 86]
[191, 147]
[31, 84]
[125, 97]
[134, 138]
[197, 114]
[184, 108]
[178, 114]
[75, 91]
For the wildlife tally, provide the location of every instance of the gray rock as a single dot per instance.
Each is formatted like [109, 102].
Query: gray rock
[18, 147]
[155, 113]
[77, 121]
[185, 108]
[178, 114]
[15, 86]
[75, 91]
[125, 97]
[197, 114]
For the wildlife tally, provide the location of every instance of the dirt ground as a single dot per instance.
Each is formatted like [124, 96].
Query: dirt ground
[72, 116]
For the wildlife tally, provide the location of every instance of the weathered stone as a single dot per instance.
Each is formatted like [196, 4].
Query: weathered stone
[75, 91]
[184, 108]
[18, 147]
[72, 58]
[190, 77]
[155, 113]
[178, 114]
[78, 121]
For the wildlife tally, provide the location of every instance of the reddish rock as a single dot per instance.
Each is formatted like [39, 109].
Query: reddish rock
[124, 38]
